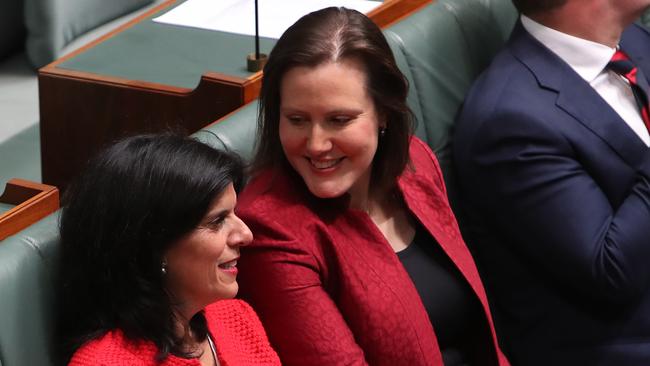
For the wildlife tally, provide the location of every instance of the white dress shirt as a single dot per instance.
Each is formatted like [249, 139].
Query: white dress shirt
[589, 59]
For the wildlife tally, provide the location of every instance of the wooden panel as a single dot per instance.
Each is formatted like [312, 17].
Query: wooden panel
[32, 201]
[80, 115]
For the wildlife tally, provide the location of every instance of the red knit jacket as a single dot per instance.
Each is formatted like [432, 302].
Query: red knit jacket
[234, 326]
[327, 285]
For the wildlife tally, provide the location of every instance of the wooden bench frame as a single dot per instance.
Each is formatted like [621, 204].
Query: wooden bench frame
[32, 201]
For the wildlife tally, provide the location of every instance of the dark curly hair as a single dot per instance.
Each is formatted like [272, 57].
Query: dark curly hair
[119, 217]
[329, 35]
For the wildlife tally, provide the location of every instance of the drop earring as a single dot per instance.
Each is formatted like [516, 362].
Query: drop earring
[163, 268]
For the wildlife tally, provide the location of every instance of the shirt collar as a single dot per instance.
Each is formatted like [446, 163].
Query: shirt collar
[586, 58]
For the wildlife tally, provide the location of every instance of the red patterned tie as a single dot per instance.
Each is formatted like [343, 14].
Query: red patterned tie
[621, 64]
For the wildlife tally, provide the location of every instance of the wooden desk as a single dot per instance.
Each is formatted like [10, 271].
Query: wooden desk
[130, 82]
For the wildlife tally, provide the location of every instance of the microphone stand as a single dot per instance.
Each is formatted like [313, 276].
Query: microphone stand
[255, 61]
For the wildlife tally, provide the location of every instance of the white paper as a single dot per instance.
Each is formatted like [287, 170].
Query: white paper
[238, 16]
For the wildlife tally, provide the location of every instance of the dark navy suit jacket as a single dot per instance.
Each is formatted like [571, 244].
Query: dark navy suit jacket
[557, 190]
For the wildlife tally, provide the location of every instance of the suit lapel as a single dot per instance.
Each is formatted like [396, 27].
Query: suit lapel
[576, 97]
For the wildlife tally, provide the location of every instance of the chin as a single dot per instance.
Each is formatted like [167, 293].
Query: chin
[327, 190]
[228, 293]
[326, 193]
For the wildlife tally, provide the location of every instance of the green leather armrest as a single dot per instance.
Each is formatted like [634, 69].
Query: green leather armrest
[234, 132]
[446, 45]
[28, 265]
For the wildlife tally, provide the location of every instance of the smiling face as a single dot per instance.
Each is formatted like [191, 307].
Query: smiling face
[329, 128]
[202, 266]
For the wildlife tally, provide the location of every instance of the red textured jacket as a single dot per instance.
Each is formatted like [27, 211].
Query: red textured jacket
[234, 326]
[327, 285]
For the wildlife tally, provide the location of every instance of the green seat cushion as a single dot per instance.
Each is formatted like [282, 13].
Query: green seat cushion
[52, 24]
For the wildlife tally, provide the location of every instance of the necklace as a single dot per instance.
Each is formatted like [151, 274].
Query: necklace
[213, 349]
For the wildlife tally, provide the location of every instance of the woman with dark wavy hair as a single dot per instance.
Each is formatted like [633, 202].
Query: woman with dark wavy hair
[359, 252]
[150, 244]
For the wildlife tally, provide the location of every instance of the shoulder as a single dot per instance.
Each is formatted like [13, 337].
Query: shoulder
[235, 315]
[508, 101]
[506, 82]
[510, 79]
[636, 42]
[271, 192]
[420, 152]
[636, 32]
[273, 205]
[422, 183]
[226, 310]
[113, 349]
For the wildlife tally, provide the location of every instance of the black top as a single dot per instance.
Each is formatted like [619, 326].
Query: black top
[453, 309]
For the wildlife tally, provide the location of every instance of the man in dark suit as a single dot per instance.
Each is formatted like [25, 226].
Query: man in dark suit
[551, 151]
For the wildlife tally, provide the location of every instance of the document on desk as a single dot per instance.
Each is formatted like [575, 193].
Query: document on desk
[238, 16]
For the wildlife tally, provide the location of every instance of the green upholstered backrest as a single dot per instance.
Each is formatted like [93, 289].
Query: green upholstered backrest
[28, 264]
[446, 45]
[236, 132]
[52, 24]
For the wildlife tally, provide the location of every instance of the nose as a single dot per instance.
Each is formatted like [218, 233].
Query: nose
[318, 140]
[241, 235]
